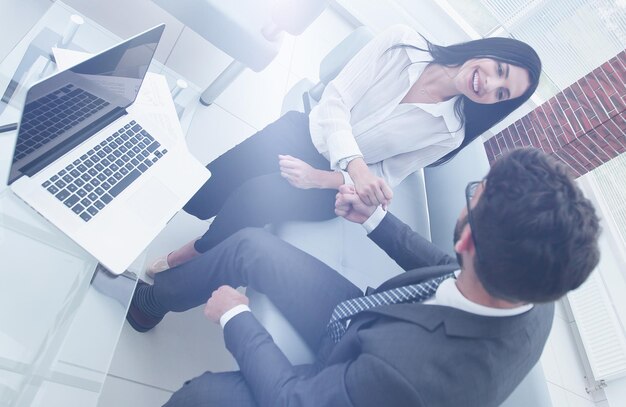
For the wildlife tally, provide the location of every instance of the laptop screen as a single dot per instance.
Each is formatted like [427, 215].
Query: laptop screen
[67, 108]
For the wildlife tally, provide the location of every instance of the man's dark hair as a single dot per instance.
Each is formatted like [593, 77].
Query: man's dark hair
[536, 234]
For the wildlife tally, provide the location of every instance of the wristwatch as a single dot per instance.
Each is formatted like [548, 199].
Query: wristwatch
[343, 163]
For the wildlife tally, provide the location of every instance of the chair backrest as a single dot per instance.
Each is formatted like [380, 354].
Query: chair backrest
[304, 95]
[338, 57]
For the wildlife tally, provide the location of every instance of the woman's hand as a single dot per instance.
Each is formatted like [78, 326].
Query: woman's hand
[371, 189]
[298, 173]
[349, 205]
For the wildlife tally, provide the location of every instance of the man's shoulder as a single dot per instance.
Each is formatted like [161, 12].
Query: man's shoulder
[455, 345]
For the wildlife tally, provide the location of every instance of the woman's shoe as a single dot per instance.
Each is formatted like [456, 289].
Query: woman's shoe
[175, 258]
[158, 266]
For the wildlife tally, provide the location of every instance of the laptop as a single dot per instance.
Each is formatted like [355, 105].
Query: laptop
[84, 162]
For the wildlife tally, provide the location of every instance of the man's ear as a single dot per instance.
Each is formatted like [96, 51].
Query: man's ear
[465, 244]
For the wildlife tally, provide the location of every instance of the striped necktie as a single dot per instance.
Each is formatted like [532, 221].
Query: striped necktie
[345, 310]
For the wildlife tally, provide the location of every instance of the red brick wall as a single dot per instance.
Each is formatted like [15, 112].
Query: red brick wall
[583, 126]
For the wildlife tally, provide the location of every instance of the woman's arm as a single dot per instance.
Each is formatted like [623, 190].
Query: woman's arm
[373, 190]
[302, 175]
[330, 126]
[331, 131]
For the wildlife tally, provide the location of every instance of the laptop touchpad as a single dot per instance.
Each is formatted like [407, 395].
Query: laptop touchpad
[152, 201]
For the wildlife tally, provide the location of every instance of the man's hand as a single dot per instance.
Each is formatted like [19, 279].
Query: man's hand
[371, 189]
[350, 206]
[298, 173]
[222, 300]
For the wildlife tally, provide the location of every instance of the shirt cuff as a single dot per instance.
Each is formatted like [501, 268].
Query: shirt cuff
[347, 180]
[374, 220]
[231, 313]
[343, 163]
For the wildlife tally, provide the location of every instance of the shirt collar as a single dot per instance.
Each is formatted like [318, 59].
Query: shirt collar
[448, 294]
[418, 59]
[442, 109]
[445, 110]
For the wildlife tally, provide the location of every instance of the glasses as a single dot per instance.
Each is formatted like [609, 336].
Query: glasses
[470, 191]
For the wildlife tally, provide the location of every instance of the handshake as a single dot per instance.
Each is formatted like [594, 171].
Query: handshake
[350, 206]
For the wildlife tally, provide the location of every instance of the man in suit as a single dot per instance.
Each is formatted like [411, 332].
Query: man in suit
[447, 332]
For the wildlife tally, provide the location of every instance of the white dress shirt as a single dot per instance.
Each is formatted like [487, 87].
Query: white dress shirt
[360, 113]
[448, 293]
[233, 312]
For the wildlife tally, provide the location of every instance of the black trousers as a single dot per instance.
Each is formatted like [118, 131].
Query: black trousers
[246, 189]
[304, 289]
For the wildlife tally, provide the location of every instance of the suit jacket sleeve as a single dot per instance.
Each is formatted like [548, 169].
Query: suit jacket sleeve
[364, 382]
[406, 247]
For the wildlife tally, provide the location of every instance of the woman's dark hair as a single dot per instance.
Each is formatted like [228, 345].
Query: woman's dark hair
[477, 117]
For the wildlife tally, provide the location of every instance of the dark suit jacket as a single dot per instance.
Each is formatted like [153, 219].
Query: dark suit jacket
[400, 355]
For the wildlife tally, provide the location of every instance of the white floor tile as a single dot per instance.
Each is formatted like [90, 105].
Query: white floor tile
[563, 311]
[214, 131]
[316, 41]
[196, 59]
[293, 79]
[286, 51]
[578, 401]
[182, 346]
[550, 365]
[55, 394]
[126, 18]
[256, 97]
[17, 18]
[123, 393]
[559, 310]
[568, 361]
[558, 396]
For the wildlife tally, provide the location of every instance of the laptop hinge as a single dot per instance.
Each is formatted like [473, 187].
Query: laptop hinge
[80, 136]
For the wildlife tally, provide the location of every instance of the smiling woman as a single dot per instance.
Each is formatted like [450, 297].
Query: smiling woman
[489, 81]
[510, 64]
[400, 104]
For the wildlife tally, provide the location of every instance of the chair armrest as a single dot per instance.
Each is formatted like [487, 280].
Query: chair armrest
[445, 186]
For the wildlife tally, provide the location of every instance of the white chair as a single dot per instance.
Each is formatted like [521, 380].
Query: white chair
[250, 31]
[305, 94]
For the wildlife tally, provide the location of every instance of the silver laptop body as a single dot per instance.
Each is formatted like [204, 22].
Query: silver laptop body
[88, 165]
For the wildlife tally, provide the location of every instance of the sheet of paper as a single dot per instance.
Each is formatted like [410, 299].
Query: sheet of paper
[154, 105]
[66, 58]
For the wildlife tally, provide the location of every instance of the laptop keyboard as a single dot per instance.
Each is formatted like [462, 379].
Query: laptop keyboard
[93, 181]
[46, 118]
